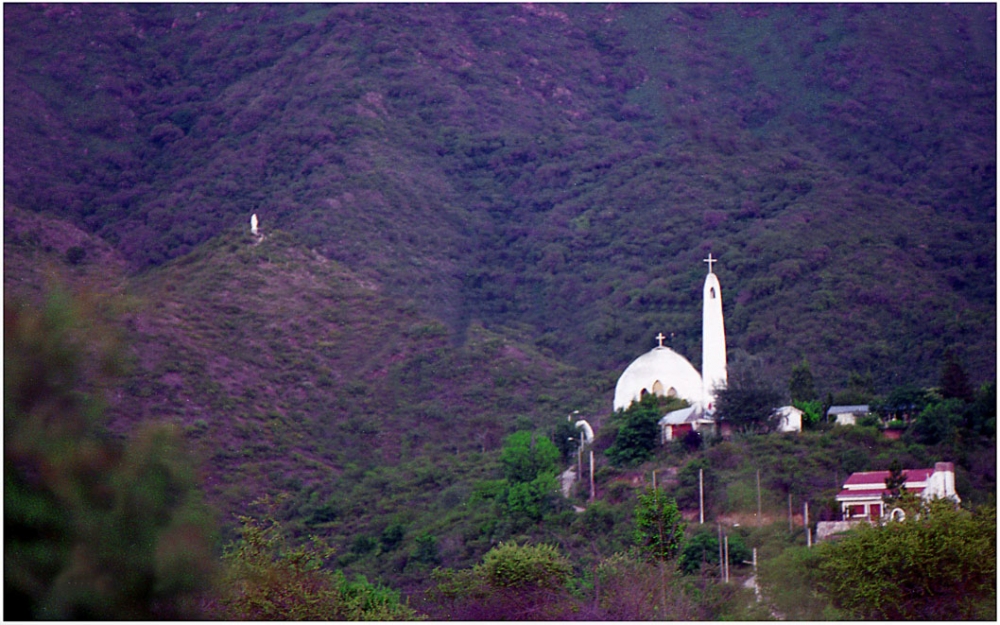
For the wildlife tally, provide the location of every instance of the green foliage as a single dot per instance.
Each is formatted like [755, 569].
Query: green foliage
[894, 483]
[939, 422]
[426, 551]
[510, 565]
[95, 527]
[566, 438]
[525, 456]
[860, 390]
[750, 410]
[981, 416]
[954, 380]
[267, 579]
[688, 488]
[701, 548]
[528, 501]
[789, 581]
[903, 401]
[530, 487]
[631, 588]
[749, 402]
[659, 528]
[812, 412]
[801, 386]
[392, 536]
[638, 430]
[940, 566]
[513, 582]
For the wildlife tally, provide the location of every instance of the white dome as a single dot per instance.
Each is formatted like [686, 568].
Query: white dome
[660, 371]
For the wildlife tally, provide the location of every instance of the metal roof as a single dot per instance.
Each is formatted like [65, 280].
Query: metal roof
[846, 409]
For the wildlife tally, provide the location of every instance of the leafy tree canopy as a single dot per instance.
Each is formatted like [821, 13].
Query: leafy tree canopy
[526, 455]
[801, 386]
[267, 579]
[938, 566]
[659, 528]
[96, 527]
[638, 429]
[749, 401]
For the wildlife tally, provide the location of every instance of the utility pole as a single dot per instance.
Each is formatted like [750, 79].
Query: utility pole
[722, 563]
[592, 475]
[726, 539]
[805, 522]
[759, 516]
[701, 497]
[790, 512]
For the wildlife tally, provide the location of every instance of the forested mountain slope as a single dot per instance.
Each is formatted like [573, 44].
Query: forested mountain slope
[559, 169]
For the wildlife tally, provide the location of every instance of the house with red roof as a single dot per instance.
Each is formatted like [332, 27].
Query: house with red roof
[861, 497]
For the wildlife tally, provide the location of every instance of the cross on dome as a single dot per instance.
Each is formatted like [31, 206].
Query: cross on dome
[660, 337]
[710, 260]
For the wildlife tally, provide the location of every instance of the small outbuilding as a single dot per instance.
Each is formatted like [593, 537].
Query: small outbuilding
[791, 419]
[847, 415]
[678, 423]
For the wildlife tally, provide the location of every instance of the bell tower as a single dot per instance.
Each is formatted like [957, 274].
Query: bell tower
[713, 339]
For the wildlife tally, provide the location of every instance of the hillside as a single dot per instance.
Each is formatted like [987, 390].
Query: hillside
[559, 170]
[475, 216]
[288, 373]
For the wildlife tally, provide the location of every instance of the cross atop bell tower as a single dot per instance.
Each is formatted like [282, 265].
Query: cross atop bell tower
[710, 260]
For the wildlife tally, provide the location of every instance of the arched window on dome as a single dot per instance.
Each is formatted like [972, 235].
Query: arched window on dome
[658, 388]
[672, 392]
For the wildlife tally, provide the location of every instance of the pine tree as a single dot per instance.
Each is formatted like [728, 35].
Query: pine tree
[801, 385]
[954, 380]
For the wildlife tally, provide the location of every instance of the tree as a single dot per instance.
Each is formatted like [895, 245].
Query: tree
[96, 526]
[939, 422]
[894, 483]
[904, 402]
[530, 484]
[513, 582]
[566, 437]
[266, 579]
[638, 429]
[860, 389]
[898, 497]
[812, 412]
[748, 403]
[940, 566]
[801, 386]
[659, 527]
[525, 456]
[954, 380]
[981, 415]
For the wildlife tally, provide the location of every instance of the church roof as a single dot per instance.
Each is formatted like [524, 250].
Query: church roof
[662, 365]
[690, 414]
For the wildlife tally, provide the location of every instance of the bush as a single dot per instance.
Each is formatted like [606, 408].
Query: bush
[265, 579]
[940, 566]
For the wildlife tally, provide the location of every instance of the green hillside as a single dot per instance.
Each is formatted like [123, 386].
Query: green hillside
[474, 217]
[559, 169]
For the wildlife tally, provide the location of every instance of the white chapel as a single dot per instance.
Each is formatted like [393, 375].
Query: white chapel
[662, 371]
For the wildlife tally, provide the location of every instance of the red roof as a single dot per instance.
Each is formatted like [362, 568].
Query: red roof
[878, 477]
